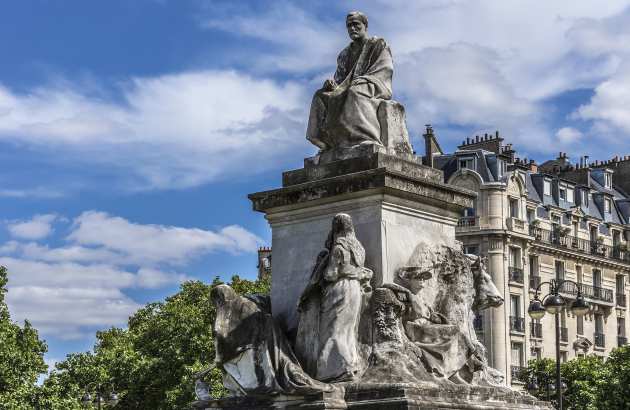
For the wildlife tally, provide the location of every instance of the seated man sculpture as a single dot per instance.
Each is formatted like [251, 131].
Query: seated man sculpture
[348, 111]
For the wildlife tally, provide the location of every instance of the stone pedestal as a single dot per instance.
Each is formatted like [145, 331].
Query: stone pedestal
[396, 203]
[394, 397]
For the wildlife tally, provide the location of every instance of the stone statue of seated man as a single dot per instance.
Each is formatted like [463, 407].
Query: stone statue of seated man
[354, 108]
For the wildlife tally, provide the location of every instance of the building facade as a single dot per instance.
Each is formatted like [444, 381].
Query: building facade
[534, 224]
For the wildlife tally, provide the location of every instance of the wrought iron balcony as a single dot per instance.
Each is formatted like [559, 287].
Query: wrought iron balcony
[600, 339]
[622, 340]
[564, 334]
[535, 330]
[621, 299]
[517, 324]
[534, 281]
[581, 245]
[467, 222]
[588, 291]
[516, 274]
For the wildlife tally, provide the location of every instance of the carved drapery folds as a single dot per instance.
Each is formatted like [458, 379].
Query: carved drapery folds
[417, 330]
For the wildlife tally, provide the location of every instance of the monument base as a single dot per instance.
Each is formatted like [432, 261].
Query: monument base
[391, 397]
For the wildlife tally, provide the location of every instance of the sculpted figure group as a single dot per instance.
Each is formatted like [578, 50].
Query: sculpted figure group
[418, 329]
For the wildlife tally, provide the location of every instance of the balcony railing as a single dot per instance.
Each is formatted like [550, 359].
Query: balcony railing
[535, 330]
[600, 339]
[622, 340]
[516, 371]
[564, 334]
[621, 299]
[515, 224]
[467, 221]
[516, 274]
[534, 281]
[588, 291]
[517, 324]
[581, 245]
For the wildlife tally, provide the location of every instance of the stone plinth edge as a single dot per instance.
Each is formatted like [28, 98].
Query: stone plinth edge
[415, 183]
[394, 397]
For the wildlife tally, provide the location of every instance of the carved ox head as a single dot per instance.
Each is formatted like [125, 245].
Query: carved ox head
[486, 293]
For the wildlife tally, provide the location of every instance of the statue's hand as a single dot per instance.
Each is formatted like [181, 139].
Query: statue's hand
[330, 84]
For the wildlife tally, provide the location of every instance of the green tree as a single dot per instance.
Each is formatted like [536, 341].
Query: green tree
[21, 357]
[614, 384]
[152, 363]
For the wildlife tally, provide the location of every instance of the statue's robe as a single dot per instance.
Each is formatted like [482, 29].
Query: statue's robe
[347, 115]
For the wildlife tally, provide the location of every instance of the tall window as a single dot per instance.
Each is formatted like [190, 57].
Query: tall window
[607, 205]
[514, 208]
[599, 323]
[563, 194]
[533, 266]
[597, 278]
[570, 195]
[620, 284]
[559, 270]
[515, 305]
[531, 215]
[471, 249]
[515, 257]
[621, 326]
[563, 357]
[546, 187]
[517, 354]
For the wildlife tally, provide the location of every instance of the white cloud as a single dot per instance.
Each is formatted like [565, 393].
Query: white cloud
[568, 135]
[39, 227]
[157, 243]
[610, 106]
[67, 291]
[177, 130]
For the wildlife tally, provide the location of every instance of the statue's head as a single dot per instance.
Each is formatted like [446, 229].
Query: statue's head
[357, 24]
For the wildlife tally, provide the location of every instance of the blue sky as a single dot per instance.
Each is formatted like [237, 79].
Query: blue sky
[131, 132]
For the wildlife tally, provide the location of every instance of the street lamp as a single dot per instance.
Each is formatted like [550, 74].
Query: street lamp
[553, 304]
[101, 399]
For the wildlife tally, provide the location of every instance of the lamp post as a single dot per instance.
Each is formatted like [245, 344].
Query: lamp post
[99, 392]
[553, 304]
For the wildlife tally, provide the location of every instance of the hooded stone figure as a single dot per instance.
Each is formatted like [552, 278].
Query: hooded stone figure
[330, 307]
[344, 111]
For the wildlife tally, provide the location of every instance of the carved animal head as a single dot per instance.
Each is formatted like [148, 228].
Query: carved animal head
[486, 293]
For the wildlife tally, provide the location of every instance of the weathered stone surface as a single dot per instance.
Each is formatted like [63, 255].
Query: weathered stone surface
[253, 352]
[399, 396]
[354, 109]
[409, 165]
[330, 307]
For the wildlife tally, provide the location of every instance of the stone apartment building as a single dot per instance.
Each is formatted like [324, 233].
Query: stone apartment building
[537, 223]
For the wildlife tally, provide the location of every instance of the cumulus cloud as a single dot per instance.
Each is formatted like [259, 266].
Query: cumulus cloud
[610, 106]
[39, 227]
[568, 135]
[172, 131]
[157, 243]
[67, 291]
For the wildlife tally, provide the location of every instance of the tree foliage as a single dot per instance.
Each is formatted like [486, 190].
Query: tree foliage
[21, 357]
[592, 383]
[152, 363]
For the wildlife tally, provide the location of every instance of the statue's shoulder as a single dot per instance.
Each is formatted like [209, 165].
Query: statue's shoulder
[378, 41]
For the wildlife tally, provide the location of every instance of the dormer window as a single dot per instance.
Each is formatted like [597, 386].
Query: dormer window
[466, 163]
[607, 180]
[546, 187]
[570, 195]
[563, 193]
[607, 205]
[584, 197]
